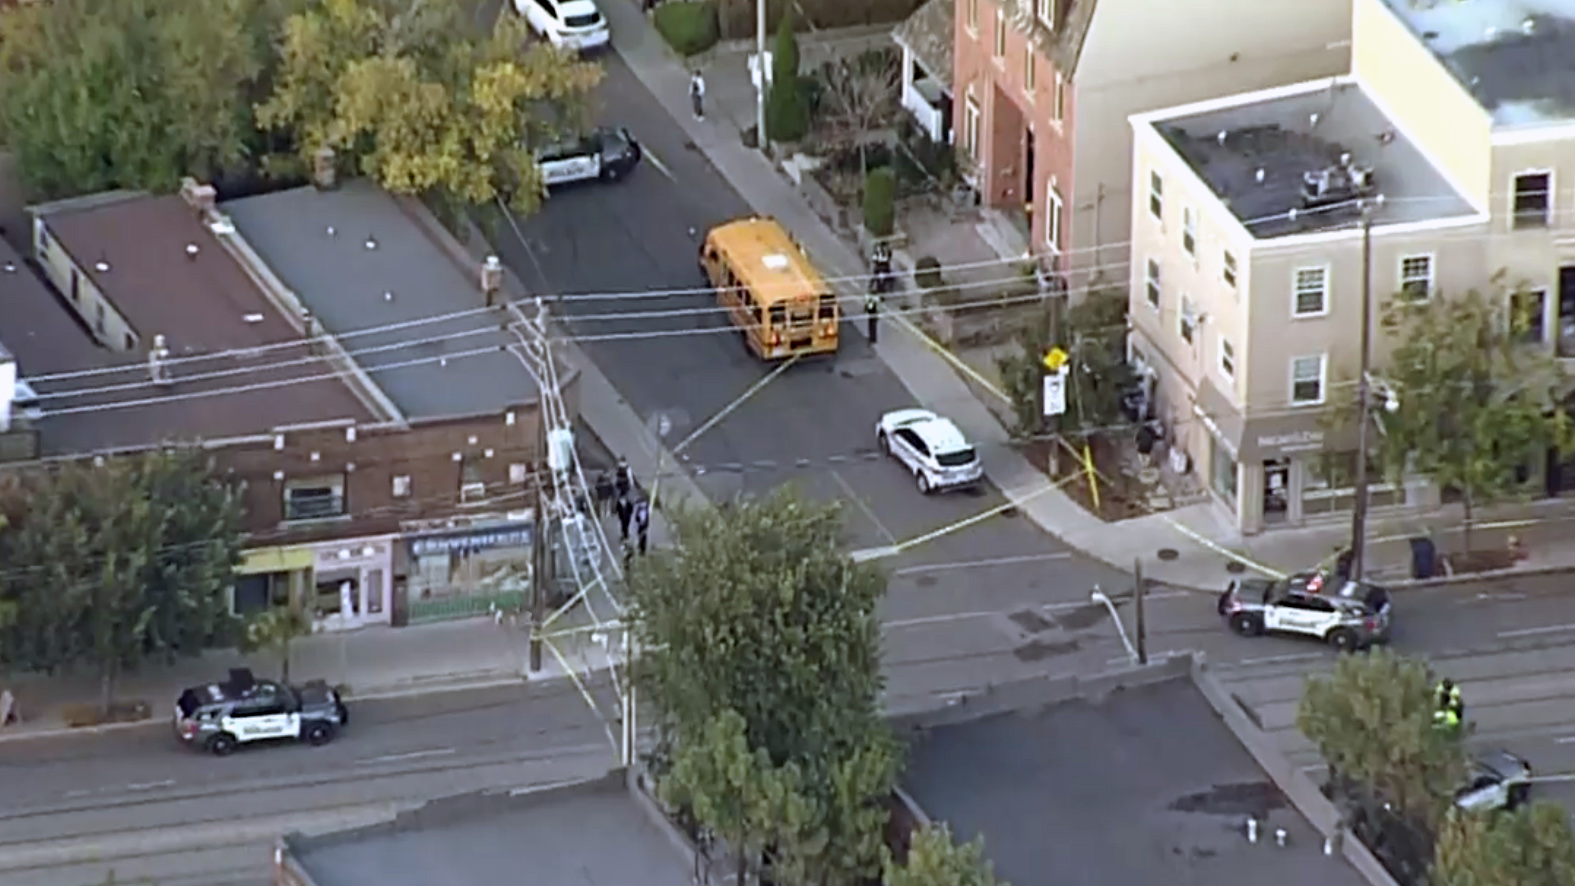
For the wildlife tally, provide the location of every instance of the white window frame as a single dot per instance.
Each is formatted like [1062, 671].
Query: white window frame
[1156, 194]
[971, 19]
[1058, 102]
[972, 123]
[1323, 379]
[1541, 292]
[1296, 292]
[1187, 321]
[1055, 208]
[1228, 268]
[1189, 231]
[1227, 358]
[1408, 282]
[999, 44]
[400, 486]
[1030, 70]
[1046, 12]
[1153, 284]
[1547, 213]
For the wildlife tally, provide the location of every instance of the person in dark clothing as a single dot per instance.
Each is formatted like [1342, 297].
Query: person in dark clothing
[642, 523]
[625, 514]
[604, 494]
[623, 479]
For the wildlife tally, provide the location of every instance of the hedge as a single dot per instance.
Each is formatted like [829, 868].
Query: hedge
[880, 201]
[688, 27]
[737, 17]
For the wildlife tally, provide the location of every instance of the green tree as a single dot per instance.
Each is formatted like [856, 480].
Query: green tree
[787, 114]
[1474, 403]
[1098, 377]
[1372, 720]
[274, 631]
[114, 564]
[756, 609]
[1532, 846]
[103, 94]
[934, 860]
[404, 96]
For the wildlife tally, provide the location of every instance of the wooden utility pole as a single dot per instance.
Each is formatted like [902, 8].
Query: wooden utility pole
[1054, 309]
[1364, 401]
[538, 565]
[1139, 593]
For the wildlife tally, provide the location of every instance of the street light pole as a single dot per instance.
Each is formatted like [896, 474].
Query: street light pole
[1364, 399]
[761, 75]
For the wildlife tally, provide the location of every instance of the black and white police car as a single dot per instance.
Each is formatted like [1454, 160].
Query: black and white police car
[220, 717]
[931, 448]
[1354, 616]
[1499, 780]
[607, 154]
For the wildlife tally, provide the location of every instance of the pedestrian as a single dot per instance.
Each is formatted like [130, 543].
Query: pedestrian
[625, 514]
[872, 313]
[623, 480]
[604, 494]
[697, 93]
[642, 523]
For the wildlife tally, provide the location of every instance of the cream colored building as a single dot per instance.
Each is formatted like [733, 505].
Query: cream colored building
[1247, 270]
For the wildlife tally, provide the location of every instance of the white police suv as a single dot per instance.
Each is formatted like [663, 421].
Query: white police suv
[607, 154]
[220, 717]
[930, 447]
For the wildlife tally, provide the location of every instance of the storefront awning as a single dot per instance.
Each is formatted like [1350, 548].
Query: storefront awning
[261, 561]
[1259, 437]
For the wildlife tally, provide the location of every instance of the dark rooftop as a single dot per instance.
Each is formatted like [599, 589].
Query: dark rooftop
[316, 242]
[1146, 786]
[212, 315]
[591, 834]
[1516, 57]
[1286, 138]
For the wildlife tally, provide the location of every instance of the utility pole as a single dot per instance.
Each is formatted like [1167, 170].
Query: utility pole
[539, 541]
[760, 62]
[1364, 399]
[1053, 311]
[1139, 593]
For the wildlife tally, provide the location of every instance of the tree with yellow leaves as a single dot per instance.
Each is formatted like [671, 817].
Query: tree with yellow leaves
[407, 95]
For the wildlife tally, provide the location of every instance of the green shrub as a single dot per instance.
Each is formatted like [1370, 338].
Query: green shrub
[787, 116]
[880, 201]
[927, 273]
[738, 16]
[688, 27]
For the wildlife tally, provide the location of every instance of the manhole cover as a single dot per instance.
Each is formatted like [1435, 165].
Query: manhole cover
[1039, 650]
[1235, 567]
[1030, 621]
[1167, 554]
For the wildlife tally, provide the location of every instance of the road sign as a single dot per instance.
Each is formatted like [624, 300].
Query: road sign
[1055, 393]
[1055, 359]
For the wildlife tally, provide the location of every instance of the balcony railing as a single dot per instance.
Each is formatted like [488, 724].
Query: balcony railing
[923, 99]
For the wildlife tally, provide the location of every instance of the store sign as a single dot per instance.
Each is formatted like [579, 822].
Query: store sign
[1292, 441]
[513, 535]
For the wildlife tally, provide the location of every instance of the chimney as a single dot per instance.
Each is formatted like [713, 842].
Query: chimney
[324, 176]
[198, 196]
[159, 361]
[491, 279]
[7, 390]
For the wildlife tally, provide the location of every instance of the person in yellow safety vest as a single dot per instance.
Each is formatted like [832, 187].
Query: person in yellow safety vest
[1449, 697]
[1447, 718]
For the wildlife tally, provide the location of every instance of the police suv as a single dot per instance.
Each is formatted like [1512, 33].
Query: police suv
[607, 154]
[931, 448]
[1499, 780]
[220, 717]
[1356, 616]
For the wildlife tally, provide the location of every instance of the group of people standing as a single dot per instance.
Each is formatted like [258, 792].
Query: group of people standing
[616, 494]
[1449, 708]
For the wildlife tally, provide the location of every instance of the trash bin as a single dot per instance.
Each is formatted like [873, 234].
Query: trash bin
[1424, 557]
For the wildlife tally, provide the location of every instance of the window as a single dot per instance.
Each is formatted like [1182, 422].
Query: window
[1189, 231]
[402, 486]
[971, 126]
[1416, 277]
[1058, 104]
[1030, 70]
[472, 483]
[1187, 320]
[1046, 10]
[1153, 284]
[1156, 195]
[1229, 270]
[1529, 318]
[1227, 358]
[973, 16]
[1533, 199]
[1307, 375]
[99, 316]
[43, 241]
[314, 498]
[518, 474]
[1312, 292]
[1053, 213]
[131, 342]
[1000, 34]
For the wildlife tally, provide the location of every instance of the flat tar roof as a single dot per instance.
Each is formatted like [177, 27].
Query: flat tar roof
[1284, 137]
[1146, 786]
[237, 367]
[316, 242]
[1516, 57]
[592, 834]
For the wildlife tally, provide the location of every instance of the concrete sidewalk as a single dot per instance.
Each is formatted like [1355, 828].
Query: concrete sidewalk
[1189, 547]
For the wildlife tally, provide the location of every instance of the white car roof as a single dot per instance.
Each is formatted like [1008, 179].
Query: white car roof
[577, 7]
[939, 433]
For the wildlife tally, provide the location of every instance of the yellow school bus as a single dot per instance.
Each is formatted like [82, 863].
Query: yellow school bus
[780, 303]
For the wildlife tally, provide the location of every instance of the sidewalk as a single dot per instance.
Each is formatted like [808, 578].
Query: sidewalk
[1188, 547]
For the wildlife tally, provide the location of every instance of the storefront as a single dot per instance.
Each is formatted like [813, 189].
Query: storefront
[1282, 468]
[460, 572]
[271, 577]
[352, 583]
